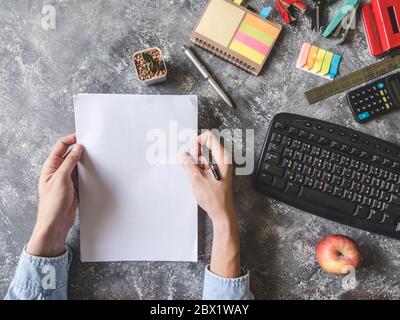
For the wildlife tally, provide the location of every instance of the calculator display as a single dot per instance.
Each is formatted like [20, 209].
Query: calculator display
[394, 84]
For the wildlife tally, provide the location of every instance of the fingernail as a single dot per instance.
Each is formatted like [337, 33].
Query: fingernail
[77, 147]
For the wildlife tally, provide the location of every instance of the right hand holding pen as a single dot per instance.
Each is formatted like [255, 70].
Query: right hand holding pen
[215, 197]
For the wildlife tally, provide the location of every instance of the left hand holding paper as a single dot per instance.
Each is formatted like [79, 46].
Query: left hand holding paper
[57, 199]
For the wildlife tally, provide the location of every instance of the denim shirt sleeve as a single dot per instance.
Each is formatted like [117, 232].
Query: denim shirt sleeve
[219, 288]
[39, 278]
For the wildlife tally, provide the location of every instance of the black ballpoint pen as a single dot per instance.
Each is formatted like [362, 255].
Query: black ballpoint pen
[214, 167]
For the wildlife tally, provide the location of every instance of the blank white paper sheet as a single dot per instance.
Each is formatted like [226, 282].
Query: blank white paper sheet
[130, 208]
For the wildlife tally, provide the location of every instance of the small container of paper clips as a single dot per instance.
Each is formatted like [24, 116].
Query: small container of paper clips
[150, 66]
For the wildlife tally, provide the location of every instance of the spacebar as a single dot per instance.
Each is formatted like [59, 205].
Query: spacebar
[327, 201]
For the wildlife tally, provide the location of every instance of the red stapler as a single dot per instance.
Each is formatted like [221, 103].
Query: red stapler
[381, 19]
[291, 10]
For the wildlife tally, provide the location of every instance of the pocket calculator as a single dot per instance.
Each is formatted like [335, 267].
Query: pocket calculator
[376, 98]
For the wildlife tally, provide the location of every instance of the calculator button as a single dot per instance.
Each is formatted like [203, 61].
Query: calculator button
[380, 85]
[384, 99]
[387, 106]
[363, 115]
[382, 93]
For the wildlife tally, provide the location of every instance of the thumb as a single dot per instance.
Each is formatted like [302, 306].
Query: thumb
[192, 169]
[71, 160]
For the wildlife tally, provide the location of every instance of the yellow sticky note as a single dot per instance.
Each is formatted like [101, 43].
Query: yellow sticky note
[326, 64]
[311, 57]
[319, 60]
[220, 22]
[238, 2]
[247, 52]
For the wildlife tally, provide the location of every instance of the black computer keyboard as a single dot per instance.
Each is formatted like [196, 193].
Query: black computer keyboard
[333, 172]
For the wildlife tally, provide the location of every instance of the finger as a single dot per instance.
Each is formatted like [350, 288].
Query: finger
[71, 160]
[62, 145]
[204, 163]
[212, 142]
[55, 158]
[192, 169]
[74, 176]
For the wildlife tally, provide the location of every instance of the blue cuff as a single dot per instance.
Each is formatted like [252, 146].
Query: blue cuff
[40, 277]
[219, 288]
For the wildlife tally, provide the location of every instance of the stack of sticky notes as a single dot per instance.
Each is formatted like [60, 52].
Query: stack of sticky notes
[236, 34]
[318, 61]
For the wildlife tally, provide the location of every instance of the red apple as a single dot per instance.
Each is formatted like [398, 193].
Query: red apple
[336, 253]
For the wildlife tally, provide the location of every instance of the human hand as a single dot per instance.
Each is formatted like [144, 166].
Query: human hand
[216, 198]
[57, 200]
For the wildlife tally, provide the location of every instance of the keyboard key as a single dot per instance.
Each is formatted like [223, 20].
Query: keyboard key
[374, 216]
[395, 200]
[272, 158]
[276, 137]
[272, 169]
[305, 148]
[303, 134]
[345, 148]
[324, 141]
[294, 131]
[279, 183]
[388, 219]
[339, 192]
[396, 165]
[377, 159]
[299, 178]
[335, 145]
[266, 178]
[387, 162]
[315, 151]
[327, 201]
[364, 155]
[361, 212]
[275, 149]
[293, 189]
[286, 141]
[279, 126]
[355, 152]
[393, 209]
[288, 153]
[313, 137]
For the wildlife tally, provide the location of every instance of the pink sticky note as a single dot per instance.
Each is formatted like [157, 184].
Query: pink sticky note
[301, 62]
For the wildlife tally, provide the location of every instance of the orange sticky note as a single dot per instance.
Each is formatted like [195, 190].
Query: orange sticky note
[311, 57]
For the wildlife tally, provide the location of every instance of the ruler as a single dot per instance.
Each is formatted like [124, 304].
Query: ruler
[353, 79]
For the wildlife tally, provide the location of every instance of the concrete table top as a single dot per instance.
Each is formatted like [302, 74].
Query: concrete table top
[89, 52]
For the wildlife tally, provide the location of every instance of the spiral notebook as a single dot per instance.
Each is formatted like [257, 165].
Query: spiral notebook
[236, 34]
